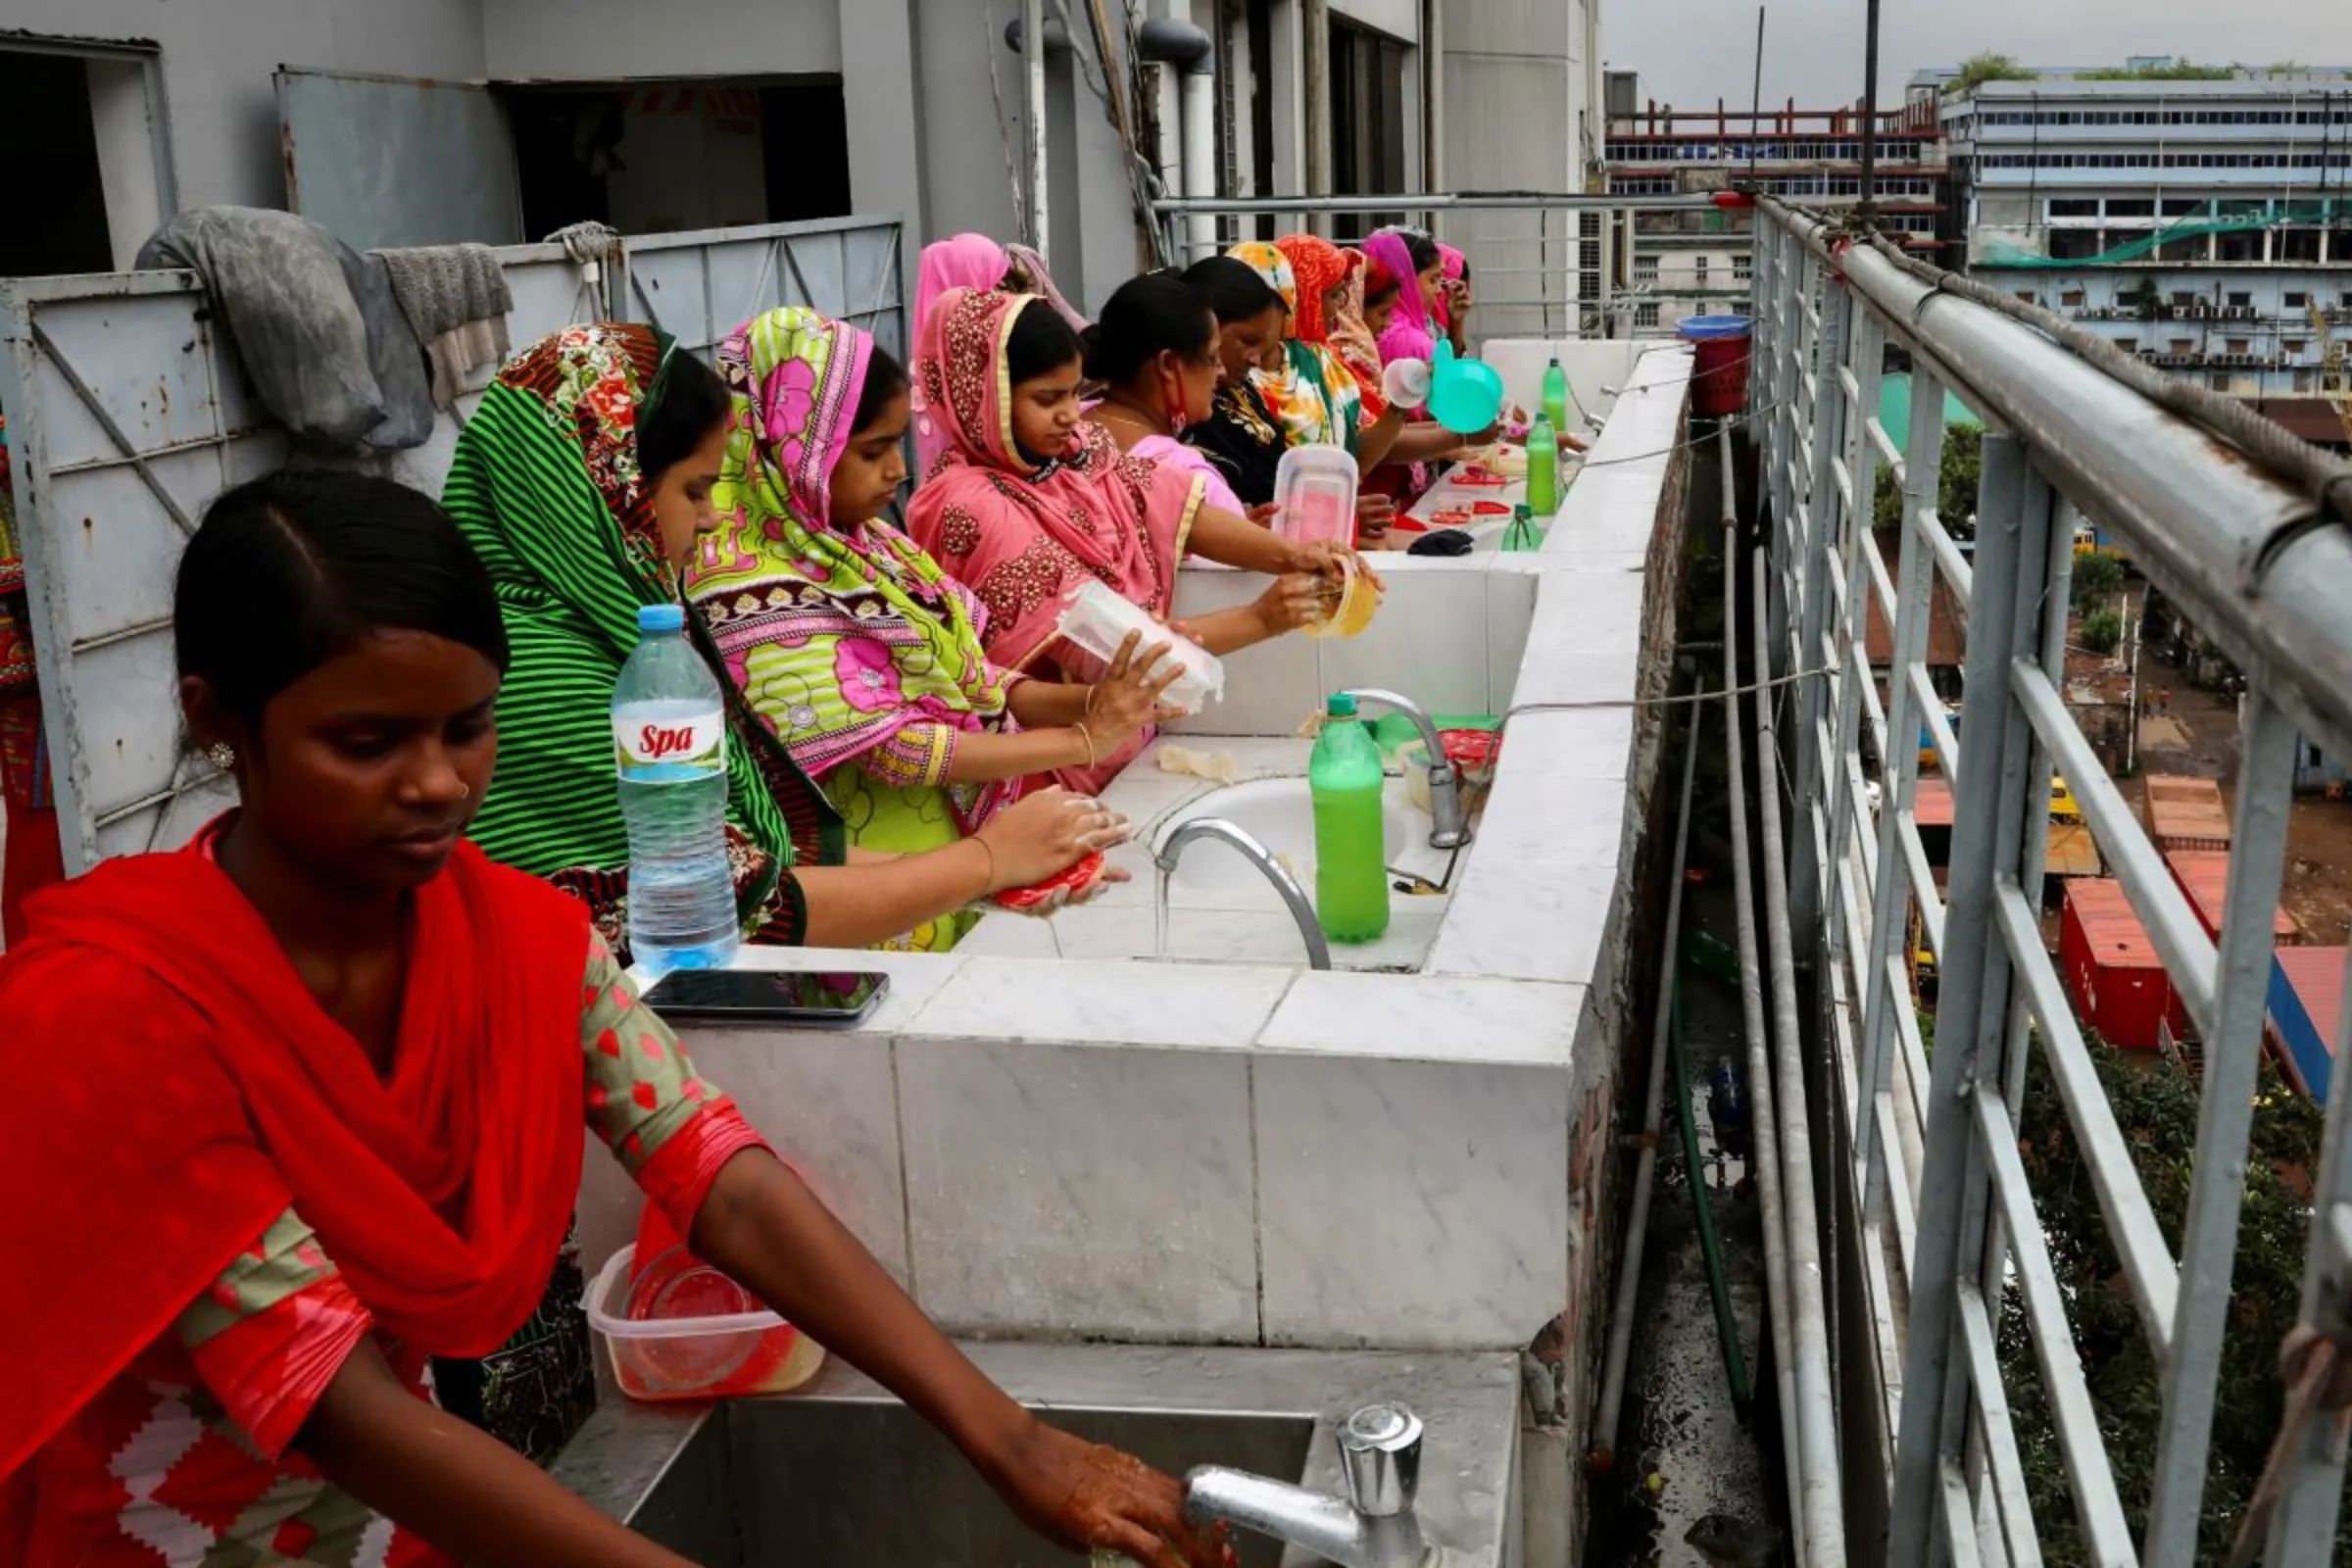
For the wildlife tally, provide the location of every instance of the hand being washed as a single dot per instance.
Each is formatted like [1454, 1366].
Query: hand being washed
[1084, 1496]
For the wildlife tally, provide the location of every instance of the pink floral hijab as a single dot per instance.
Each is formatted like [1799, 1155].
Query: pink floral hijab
[837, 639]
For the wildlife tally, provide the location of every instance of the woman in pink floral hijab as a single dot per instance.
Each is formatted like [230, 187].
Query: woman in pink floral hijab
[844, 636]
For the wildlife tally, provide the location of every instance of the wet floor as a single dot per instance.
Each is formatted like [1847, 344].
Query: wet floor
[1693, 1486]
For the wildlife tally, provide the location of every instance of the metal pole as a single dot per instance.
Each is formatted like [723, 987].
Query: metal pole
[1867, 213]
[1033, 118]
[1646, 1168]
[1765, 1154]
[1314, 20]
[1823, 1521]
[1755, 106]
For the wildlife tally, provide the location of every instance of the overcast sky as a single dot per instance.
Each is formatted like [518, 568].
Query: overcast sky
[1690, 52]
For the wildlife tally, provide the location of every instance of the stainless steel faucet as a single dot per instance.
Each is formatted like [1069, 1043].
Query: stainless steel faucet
[1446, 830]
[1171, 849]
[1373, 1526]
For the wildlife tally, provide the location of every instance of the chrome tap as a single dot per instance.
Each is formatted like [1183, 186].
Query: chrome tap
[1447, 829]
[1171, 849]
[1373, 1526]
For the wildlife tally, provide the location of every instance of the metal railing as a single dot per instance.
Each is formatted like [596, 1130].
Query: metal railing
[1938, 1233]
[1543, 265]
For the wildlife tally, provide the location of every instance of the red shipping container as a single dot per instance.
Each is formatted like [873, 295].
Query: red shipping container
[2186, 813]
[2116, 981]
[2204, 875]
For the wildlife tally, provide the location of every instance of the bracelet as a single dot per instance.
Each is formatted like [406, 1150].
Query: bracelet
[1088, 711]
[1087, 736]
[991, 885]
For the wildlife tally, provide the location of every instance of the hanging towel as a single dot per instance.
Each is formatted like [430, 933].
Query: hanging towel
[457, 300]
[314, 324]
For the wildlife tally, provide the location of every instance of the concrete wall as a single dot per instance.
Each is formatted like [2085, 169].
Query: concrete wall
[217, 60]
[581, 40]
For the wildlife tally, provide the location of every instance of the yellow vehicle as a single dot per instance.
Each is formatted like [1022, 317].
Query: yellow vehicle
[2062, 800]
[1923, 960]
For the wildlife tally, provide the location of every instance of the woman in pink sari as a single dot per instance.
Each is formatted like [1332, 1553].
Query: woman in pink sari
[976, 261]
[1032, 499]
[1414, 259]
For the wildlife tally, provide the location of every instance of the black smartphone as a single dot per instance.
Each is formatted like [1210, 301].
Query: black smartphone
[835, 1000]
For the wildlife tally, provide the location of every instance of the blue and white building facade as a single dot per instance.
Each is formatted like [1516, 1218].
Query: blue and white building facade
[2205, 225]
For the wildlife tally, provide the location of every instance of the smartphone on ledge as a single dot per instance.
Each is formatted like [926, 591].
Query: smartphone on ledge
[840, 1000]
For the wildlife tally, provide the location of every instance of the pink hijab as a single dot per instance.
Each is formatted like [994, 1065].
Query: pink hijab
[1453, 265]
[1407, 335]
[1024, 536]
[976, 261]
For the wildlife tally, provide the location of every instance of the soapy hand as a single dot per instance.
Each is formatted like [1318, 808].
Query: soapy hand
[1131, 695]
[1298, 598]
[1084, 1496]
[1047, 831]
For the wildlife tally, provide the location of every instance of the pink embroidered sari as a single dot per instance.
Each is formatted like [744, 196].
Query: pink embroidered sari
[1023, 536]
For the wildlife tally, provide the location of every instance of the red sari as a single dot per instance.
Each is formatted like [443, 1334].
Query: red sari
[194, 1096]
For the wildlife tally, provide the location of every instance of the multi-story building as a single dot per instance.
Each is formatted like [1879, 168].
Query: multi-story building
[1689, 263]
[500, 120]
[2205, 224]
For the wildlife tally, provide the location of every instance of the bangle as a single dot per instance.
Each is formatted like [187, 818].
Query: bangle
[990, 886]
[1087, 736]
[1088, 711]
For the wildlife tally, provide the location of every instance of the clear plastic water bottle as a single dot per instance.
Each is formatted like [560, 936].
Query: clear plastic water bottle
[670, 750]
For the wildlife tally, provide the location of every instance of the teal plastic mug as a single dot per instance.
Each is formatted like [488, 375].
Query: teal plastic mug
[1465, 395]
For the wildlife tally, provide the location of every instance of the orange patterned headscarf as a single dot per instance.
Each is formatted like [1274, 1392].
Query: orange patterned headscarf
[1319, 267]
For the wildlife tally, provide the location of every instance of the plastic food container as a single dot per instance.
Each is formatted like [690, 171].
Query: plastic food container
[1096, 618]
[1314, 496]
[1358, 602]
[679, 1329]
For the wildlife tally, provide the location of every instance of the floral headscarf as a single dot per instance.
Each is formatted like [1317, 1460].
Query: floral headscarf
[1319, 267]
[1313, 396]
[1352, 336]
[1024, 536]
[547, 486]
[838, 639]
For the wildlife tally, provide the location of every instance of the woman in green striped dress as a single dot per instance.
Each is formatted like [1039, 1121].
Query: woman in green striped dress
[583, 482]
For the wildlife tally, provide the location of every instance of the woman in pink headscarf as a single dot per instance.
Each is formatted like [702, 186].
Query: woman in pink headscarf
[1033, 500]
[976, 261]
[1453, 303]
[1416, 261]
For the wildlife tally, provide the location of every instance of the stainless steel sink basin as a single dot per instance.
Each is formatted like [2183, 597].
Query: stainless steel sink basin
[841, 1474]
[822, 1481]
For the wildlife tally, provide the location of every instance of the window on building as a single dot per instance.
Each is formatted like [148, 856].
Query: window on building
[82, 160]
[1743, 269]
[2029, 296]
[2294, 347]
[2238, 345]
[2183, 345]
[1367, 110]
[1645, 268]
[2297, 301]
[2241, 299]
[2303, 382]
[1699, 270]
[2182, 299]
[2130, 345]
[2219, 382]
[2130, 207]
[2072, 299]
[2075, 207]
[1646, 316]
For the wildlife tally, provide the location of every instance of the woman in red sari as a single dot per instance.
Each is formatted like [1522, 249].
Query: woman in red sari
[315, 1092]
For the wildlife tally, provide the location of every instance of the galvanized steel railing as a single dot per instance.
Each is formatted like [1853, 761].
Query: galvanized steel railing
[1939, 1221]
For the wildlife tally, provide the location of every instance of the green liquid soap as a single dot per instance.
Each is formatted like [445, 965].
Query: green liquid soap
[1555, 395]
[1543, 469]
[1352, 863]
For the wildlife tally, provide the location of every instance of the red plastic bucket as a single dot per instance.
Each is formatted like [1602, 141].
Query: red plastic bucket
[1719, 376]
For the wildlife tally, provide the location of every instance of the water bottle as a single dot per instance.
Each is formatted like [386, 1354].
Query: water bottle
[670, 751]
[1555, 395]
[1352, 862]
[1543, 469]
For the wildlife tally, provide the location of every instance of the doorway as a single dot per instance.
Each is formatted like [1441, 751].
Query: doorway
[85, 178]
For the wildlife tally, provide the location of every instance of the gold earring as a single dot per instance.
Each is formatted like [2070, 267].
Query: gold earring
[221, 756]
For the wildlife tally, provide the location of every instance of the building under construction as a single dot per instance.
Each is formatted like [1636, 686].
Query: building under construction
[2199, 217]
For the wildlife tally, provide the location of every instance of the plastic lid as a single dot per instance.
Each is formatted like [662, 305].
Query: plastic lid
[661, 618]
[1340, 705]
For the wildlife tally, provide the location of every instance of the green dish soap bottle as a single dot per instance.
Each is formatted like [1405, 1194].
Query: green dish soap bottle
[1543, 469]
[1555, 395]
[1352, 862]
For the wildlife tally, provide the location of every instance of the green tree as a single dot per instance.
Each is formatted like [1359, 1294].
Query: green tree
[2097, 576]
[2103, 632]
[1955, 490]
[1978, 70]
[2155, 1107]
[2169, 71]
